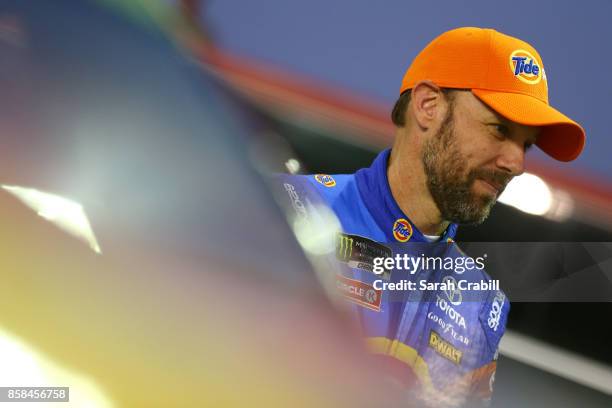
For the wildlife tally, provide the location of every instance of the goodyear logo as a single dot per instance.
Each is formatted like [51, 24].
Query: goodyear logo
[325, 179]
[526, 67]
[444, 348]
[402, 230]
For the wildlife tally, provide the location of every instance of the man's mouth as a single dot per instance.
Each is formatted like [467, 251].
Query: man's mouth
[494, 187]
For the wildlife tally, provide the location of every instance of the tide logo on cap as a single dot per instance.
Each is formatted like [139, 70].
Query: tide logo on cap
[325, 179]
[402, 230]
[526, 67]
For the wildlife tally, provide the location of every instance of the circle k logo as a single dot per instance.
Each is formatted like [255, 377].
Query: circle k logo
[325, 179]
[402, 230]
[525, 67]
[370, 296]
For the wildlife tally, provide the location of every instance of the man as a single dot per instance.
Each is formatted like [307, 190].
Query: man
[471, 104]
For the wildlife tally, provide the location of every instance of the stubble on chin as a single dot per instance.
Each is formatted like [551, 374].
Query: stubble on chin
[449, 181]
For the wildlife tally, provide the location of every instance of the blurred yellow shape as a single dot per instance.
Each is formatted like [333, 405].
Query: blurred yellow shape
[22, 366]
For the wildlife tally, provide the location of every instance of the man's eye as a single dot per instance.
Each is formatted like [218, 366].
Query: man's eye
[500, 130]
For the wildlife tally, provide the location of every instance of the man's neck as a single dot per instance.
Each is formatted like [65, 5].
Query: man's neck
[409, 189]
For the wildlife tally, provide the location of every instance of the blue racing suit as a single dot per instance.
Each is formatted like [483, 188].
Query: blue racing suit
[440, 344]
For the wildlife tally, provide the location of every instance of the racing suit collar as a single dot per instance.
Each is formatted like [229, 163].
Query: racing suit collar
[375, 192]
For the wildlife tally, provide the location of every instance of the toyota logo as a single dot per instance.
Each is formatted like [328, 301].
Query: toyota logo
[453, 293]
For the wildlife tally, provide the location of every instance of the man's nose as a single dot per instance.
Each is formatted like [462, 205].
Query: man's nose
[512, 158]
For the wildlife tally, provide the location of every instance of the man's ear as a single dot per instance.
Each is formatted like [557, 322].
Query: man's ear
[427, 102]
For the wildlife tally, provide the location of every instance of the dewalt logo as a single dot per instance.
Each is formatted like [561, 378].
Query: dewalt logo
[444, 348]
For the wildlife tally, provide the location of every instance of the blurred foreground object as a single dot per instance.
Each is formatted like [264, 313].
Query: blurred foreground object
[195, 292]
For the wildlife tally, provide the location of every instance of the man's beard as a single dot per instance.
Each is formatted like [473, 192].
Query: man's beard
[450, 182]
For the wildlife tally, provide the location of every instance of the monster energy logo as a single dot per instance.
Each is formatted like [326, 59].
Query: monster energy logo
[359, 252]
[345, 247]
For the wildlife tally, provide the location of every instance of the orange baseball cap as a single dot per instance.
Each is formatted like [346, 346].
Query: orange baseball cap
[506, 74]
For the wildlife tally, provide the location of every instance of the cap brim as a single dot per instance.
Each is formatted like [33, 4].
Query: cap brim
[560, 138]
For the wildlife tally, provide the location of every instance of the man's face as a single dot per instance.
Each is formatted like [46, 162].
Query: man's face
[471, 159]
